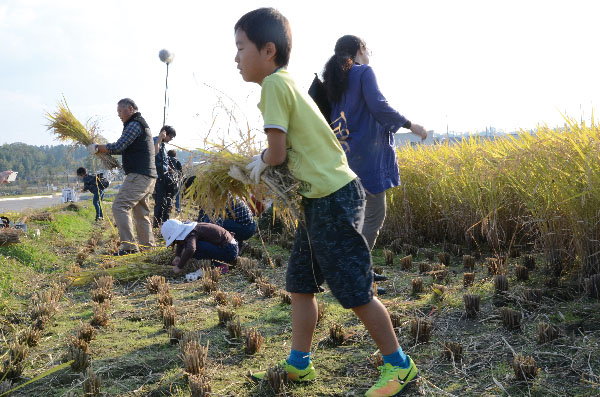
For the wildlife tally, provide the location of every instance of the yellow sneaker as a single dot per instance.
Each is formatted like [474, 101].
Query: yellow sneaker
[392, 380]
[294, 374]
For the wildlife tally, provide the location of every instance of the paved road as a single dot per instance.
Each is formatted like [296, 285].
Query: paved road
[16, 204]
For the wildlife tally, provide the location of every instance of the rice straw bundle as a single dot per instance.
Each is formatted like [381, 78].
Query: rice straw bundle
[214, 183]
[67, 128]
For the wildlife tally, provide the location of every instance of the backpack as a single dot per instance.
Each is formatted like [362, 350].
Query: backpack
[103, 183]
[318, 93]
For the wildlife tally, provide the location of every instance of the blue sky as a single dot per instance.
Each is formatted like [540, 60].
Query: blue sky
[470, 64]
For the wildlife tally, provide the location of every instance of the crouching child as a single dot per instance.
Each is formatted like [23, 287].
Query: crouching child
[199, 240]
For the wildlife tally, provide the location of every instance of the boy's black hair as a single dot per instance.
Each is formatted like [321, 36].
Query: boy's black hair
[172, 153]
[81, 171]
[169, 130]
[265, 25]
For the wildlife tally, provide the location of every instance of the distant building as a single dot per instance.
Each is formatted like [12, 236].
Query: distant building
[408, 138]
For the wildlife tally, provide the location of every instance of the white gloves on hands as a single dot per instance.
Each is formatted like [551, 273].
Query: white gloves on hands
[190, 277]
[92, 148]
[236, 173]
[256, 167]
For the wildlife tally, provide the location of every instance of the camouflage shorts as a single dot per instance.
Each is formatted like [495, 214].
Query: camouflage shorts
[332, 249]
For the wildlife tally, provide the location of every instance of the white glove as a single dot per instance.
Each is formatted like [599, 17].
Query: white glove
[92, 148]
[236, 173]
[190, 277]
[256, 167]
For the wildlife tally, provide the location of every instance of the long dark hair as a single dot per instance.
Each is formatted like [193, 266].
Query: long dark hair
[335, 72]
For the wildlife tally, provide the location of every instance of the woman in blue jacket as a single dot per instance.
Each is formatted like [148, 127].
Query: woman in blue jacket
[364, 123]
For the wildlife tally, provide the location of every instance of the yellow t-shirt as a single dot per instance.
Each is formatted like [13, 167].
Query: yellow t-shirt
[314, 155]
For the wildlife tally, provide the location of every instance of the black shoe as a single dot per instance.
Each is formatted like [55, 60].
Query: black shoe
[381, 290]
[124, 252]
[379, 277]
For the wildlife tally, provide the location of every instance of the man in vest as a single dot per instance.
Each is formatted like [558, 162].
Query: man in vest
[137, 148]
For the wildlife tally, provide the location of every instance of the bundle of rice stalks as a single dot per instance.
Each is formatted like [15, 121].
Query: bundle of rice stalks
[42, 217]
[511, 318]
[68, 129]
[468, 262]
[168, 316]
[105, 282]
[286, 298]
[445, 258]
[43, 310]
[78, 353]
[546, 332]
[199, 386]
[101, 316]
[225, 315]
[522, 273]
[337, 334]
[175, 335]
[153, 282]
[389, 257]
[213, 184]
[220, 298]
[212, 273]
[195, 358]
[30, 337]
[209, 285]
[267, 290]
[189, 337]
[424, 267]
[453, 351]
[500, 283]
[417, 285]
[254, 341]
[5, 387]
[277, 377]
[165, 299]
[91, 384]
[420, 329]
[234, 327]
[321, 311]
[468, 279]
[406, 263]
[524, 367]
[533, 295]
[9, 236]
[86, 332]
[376, 360]
[236, 300]
[472, 303]
[101, 295]
[396, 320]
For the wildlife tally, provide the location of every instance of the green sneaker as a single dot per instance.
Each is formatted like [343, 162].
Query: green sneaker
[392, 380]
[294, 374]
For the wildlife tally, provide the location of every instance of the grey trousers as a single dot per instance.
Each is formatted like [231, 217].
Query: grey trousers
[374, 217]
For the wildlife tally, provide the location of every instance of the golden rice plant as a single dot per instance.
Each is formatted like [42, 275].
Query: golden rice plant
[491, 190]
[169, 316]
[105, 282]
[101, 295]
[213, 183]
[236, 300]
[67, 128]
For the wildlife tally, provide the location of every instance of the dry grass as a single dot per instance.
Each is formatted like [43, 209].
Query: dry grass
[195, 358]
[153, 282]
[101, 316]
[199, 386]
[253, 341]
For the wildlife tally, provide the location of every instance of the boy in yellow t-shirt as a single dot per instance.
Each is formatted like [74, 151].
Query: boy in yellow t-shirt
[328, 245]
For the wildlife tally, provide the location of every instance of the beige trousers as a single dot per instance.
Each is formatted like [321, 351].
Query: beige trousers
[374, 217]
[133, 197]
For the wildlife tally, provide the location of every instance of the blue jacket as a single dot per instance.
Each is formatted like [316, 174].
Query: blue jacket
[364, 123]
